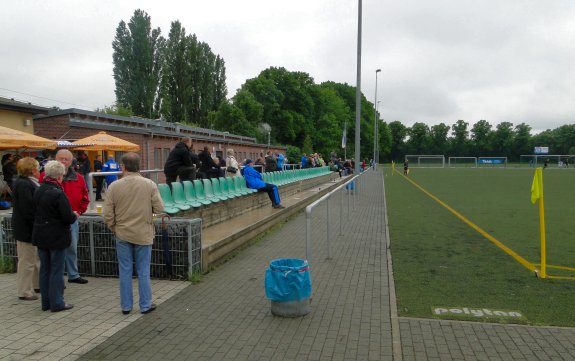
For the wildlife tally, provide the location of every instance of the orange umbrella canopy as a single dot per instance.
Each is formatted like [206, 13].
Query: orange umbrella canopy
[15, 139]
[104, 141]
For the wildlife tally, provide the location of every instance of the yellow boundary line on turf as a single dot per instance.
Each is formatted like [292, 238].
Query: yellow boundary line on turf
[530, 266]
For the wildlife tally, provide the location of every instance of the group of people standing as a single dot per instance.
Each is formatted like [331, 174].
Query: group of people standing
[46, 209]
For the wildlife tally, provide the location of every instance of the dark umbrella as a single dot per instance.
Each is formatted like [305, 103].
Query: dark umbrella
[166, 245]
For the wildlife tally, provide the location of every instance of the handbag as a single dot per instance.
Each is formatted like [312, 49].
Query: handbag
[232, 169]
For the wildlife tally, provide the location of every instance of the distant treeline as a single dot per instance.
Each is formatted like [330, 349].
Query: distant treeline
[180, 80]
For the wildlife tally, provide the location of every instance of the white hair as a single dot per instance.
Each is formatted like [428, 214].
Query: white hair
[54, 169]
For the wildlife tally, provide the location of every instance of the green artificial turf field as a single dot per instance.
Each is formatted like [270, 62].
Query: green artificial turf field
[441, 262]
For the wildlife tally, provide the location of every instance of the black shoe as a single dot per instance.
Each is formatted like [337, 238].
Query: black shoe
[79, 280]
[29, 298]
[37, 290]
[99, 199]
[65, 308]
[126, 312]
[152, 307]
[278, 206]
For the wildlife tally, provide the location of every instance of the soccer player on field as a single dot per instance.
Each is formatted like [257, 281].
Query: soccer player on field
[406, 167]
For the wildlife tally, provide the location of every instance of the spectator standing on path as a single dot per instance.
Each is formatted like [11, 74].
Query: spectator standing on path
[51, 234]
[128, 208]
[77, 193]
[232, 168]
[22, 223]
[180, 163]
[254, 180]
[111, 166]
[99, 179]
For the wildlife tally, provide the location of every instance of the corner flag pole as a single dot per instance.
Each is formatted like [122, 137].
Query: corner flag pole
[537, 194]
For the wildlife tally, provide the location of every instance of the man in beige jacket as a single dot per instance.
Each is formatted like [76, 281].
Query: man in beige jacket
[128, 208]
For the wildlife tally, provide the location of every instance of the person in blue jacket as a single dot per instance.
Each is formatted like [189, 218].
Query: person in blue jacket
[280, 157]
[254, 180]
[111, 166]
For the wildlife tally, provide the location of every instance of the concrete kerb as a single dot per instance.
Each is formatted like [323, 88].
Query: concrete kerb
[395, 329]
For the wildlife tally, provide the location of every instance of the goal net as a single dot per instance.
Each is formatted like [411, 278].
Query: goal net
[492, 162]
[426, 161]
[462, 162]
[552, 160]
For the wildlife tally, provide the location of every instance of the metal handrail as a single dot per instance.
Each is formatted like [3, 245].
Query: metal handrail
[90, 184]
[326, 198]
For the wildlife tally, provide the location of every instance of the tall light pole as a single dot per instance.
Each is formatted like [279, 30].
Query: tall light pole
[358, 93]
[375, 124]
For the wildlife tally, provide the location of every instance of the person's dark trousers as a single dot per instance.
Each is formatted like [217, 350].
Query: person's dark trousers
[187, 173]
[273, 193]
[99, 185]
[52, 278]
[171, 178]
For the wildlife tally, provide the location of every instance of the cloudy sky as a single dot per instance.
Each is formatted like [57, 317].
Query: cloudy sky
[441, 60]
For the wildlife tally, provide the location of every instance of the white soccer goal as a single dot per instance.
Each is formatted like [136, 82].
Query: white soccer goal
[553, 160]
[426, 161]
[492, 162]
[462, 162]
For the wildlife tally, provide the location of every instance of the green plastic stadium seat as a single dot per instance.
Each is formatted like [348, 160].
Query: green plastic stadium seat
[169, 205]
[178, 196]
[225, 190]
[200, 195]
[243, 185]
[190, 194]
[209, 191]
[217, 189]
[236, 187]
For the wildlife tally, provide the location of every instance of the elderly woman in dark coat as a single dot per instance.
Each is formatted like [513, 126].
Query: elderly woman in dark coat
[22, 223]
[52, 236]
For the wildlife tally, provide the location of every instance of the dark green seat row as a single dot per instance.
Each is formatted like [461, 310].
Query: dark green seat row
[187, 195]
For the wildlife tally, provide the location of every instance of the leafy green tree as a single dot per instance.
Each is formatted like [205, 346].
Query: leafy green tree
[522, 143]
[137, 62]
[385, 142]
[481, 138]
[418, 139]
[502, 139]
[438, 139]
[115, 110]
[459, 140]
[398, 134]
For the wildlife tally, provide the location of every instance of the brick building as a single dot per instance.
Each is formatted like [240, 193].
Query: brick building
[155, 137]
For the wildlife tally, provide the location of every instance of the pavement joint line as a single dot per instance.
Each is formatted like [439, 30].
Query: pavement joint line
[478, 323]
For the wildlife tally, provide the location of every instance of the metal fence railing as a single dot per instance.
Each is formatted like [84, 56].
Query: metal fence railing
[97, 247]
[351, 186]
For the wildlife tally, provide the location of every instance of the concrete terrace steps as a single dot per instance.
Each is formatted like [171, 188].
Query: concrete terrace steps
[222, 239]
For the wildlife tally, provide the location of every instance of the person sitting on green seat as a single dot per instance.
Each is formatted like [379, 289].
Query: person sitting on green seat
[254, 180]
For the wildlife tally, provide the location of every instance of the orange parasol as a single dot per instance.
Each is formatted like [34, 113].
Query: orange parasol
[15, 139]
[104, 141]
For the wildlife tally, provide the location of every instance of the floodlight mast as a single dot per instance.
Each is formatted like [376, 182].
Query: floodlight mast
[375, 123]
[358, 93]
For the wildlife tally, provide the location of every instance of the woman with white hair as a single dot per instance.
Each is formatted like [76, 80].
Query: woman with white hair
[231, 164]
[52, 236]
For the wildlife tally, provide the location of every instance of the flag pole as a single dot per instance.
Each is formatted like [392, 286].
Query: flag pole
[542, 227]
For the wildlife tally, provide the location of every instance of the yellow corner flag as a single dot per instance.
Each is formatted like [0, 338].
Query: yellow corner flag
[537, 186]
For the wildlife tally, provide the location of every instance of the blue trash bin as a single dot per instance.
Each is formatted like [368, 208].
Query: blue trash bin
[288, 286]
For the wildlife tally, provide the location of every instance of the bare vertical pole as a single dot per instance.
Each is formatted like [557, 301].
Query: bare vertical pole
[328, 229]
[308, 237]
[375, 133]
[92, 246]
[358, 92]
[340, 212]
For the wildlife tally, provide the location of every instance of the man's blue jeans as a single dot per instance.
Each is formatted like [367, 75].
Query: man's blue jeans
[142, 255]
[52, 278]
[72, 252]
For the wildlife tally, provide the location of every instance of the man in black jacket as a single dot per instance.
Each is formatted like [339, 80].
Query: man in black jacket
[208, 169]
[99, 180]
[181, 163]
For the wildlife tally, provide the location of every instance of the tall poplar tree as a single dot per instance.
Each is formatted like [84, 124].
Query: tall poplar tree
[137, 65]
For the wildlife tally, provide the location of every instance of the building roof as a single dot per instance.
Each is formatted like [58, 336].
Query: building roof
[154, 127]
[11, 104]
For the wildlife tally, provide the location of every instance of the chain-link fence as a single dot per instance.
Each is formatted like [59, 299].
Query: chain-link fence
[97, 247]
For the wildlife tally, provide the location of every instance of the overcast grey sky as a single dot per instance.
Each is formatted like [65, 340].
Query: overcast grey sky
[441, 60]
